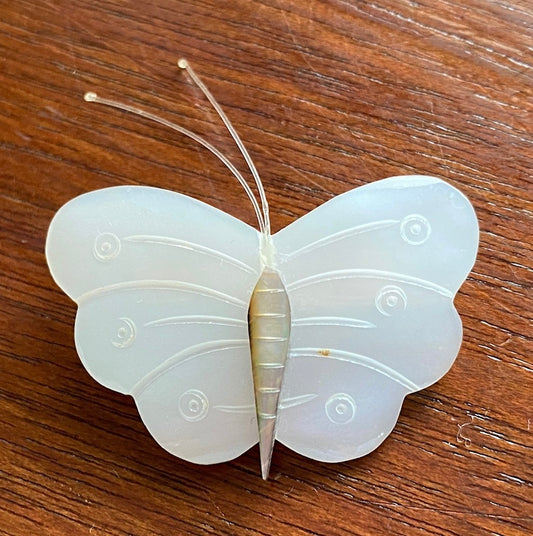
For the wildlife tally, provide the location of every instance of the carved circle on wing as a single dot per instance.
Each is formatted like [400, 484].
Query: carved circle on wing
[106, 246]
[193, 405]
[340, 408]
[126, 333]
[415, 229]
[391, 300]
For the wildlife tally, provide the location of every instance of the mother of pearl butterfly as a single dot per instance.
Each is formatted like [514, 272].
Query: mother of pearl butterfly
[227, 336]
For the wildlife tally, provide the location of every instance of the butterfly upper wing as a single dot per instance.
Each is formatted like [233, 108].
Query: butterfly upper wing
[163, 284]
[371, 277]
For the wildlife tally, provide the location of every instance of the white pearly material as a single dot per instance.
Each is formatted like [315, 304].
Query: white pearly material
[163, 283]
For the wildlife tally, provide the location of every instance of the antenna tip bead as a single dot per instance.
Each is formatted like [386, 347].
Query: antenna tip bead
[182, 63]
[90, 96]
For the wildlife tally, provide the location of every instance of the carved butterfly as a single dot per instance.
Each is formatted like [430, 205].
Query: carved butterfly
[352, 310]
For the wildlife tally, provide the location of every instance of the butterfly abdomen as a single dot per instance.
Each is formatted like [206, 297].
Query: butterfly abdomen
[269, 325]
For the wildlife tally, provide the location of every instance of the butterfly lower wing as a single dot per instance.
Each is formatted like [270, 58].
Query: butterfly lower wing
[163, 284]
[199, 405]
[371, 277]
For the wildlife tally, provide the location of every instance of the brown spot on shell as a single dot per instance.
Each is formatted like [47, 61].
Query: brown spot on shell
[324, 352]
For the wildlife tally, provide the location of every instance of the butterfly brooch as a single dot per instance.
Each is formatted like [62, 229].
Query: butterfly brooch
[227, 336]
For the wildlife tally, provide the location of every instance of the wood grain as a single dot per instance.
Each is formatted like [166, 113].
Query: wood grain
[328, 95]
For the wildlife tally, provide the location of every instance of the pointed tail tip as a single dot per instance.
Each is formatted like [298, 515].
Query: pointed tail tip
[267, 438]
[265, 469]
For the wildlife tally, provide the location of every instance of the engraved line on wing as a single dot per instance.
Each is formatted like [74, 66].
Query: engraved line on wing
[196, 319]
[341, 235]
[249, 408]
[193, 352]
[357, 359]
[156, 284]
[368, 274]
[332, 321]
[191, 246]
[296, 401]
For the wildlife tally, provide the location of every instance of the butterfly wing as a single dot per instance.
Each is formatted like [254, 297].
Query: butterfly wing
[371, 277]
[163, 284]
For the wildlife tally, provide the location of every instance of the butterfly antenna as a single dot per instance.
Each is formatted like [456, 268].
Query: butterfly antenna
[93, 97]
[184, 64]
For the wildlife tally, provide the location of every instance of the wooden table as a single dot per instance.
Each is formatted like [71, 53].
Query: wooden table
[327, 95]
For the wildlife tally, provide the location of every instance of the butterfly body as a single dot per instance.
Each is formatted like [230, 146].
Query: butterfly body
[269, 327]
